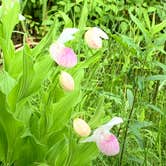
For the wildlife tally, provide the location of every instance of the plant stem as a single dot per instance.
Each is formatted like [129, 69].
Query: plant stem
[44, 11]
[126, 130]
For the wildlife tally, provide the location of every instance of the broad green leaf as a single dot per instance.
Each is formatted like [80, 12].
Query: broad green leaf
[31, 151]
[58, 153]
[3, 137]
[28, 72]
[30, 81]
[16, 65]
[8, 53]
[6, 82]
[9, 18]
[11, 135]
[60, 112]
[10, 11]
[83, 154]
[41, 69]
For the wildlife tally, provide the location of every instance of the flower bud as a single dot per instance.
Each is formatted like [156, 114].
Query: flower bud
[81, 127]
[93, 37]
[66, 81]
[108, 144]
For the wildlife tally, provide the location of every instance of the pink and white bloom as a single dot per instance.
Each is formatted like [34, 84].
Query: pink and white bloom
[64, 56]
[66, 81]
[106, 141]
[93, 37]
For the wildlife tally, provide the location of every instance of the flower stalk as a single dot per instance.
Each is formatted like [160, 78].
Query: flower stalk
[126, 130]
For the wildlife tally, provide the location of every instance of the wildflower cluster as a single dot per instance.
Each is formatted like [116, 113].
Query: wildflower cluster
[64, 56]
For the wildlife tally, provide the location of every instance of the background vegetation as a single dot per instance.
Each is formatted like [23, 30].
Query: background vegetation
[127, 77]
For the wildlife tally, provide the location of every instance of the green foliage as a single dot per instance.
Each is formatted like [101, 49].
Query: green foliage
[129, 72]
[30, 133]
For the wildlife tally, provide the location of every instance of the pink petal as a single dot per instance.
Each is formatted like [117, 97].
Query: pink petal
[108, 145]
[63, 56]
[67, 58]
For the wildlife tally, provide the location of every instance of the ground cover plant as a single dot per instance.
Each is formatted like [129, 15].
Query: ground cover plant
[73, 70]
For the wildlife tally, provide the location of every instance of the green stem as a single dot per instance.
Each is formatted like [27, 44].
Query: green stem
[44, 11]
[126, 130]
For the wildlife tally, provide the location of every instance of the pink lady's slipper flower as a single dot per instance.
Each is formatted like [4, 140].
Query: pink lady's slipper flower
[93, 37]
[81, 127]
[64, 56]
[106, 141]
[66, 81]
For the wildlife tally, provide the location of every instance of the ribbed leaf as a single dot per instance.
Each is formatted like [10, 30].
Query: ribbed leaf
[6, 82]
[11, 130]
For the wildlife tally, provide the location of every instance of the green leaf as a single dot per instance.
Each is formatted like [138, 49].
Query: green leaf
[10, 12]
[6, 82]
[84, 15]
[28, 73]
[9, 18]
[83, 154]
[11, 135]
[157, 28]
[163, 66]
[98, 114]
[31, 151]
[58, 153]
[60, 112]
[46, 41]
[130, 42]
[8, 53]
[3, 137]
[155, 108]
[15, 67]
[130, 98]
[141, 27]
[156, 77]
[30, 81]
[41, 69]
[67, 20]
